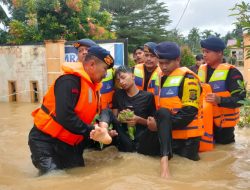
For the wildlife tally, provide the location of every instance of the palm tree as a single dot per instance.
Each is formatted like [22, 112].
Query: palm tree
[4, 19]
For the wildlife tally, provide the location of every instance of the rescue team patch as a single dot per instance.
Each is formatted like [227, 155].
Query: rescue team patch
[191, 92]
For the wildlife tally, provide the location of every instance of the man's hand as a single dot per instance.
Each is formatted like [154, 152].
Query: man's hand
[213, 98]
[112, 133]
[100, 134]
[151, 123]
[132, 121]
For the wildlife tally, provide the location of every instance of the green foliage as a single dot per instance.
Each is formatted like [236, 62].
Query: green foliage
[38, 20]
[242, 14]
[131, 62]
[3, 36]
[175, 36]
[20, 33]
[139, 21]
[245, 112]
[187, 58]
[193, 41]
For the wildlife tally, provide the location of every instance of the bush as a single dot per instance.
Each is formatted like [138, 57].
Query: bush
[245, 112]
[187, 58]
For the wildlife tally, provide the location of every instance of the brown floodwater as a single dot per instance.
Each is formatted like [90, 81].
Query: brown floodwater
[225, 168]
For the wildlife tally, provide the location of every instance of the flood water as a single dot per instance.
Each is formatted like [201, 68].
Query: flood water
[225, 168]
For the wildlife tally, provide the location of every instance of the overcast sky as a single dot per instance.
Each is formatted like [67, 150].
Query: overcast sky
[202, 14]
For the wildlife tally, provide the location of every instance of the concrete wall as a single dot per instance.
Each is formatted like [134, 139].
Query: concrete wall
[22, 64]
[246, 42]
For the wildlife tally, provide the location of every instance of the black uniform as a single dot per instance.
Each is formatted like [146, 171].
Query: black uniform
[50, 153]
[166, 122]
[143, 105]
[226, 135]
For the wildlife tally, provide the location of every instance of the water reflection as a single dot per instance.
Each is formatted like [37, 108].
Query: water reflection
[227, 167]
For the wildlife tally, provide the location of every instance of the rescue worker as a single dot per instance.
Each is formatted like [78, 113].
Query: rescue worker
[62, 125]
[107, 89]
[179, 113]
[146, 74]
[227, 86]
[199, 61]
[138, 55]
[82, 47]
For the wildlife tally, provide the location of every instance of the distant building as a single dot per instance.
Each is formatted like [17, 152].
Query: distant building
[236, 53]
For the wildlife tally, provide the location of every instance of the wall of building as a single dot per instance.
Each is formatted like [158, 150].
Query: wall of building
[246, 42]
[22, 65]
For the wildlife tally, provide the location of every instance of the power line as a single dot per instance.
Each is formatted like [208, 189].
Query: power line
[182, 14]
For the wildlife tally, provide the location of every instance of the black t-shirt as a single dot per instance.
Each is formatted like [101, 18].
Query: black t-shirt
[143, 102]
[143, 105]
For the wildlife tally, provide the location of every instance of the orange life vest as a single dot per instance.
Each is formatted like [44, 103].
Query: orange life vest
[222, 117]
[86, 107]
[107, 90]
[169, 99]
[207, 140]
[140, 78]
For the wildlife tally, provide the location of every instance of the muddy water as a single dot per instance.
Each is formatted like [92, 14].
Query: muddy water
[227, 167]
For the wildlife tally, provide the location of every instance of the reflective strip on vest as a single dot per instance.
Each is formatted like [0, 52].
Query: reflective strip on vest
[139, 78]
[169, 99]
[223, 117]
[108, 82]
[107, 90]
[139, 73]
[85, 109]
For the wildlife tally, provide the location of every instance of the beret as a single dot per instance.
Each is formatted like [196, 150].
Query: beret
[84, 42]
[102, 54]
[167, 50]
[150, 47]
[213, 43]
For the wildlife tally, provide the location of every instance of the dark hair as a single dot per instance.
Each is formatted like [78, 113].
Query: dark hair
[91, 57]
[199, 57]
[138, 47]
[123, 69]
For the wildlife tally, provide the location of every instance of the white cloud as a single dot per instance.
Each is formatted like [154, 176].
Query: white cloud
[202, 14]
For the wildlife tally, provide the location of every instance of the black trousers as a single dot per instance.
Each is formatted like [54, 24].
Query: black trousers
[184, 147]
[146, 143]
[224, 135]
[49, 154]
[153, 143]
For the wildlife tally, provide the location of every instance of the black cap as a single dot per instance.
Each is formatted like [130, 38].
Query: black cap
[213, 43]
[84, 42]
[102, 54]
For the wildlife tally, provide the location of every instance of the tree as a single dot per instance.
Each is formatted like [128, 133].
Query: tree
[175, 36]
[187, 58]
[139, 21]
[193, 40]
[38, 20]
[206, 33]
[242, 15]
[243, 19]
